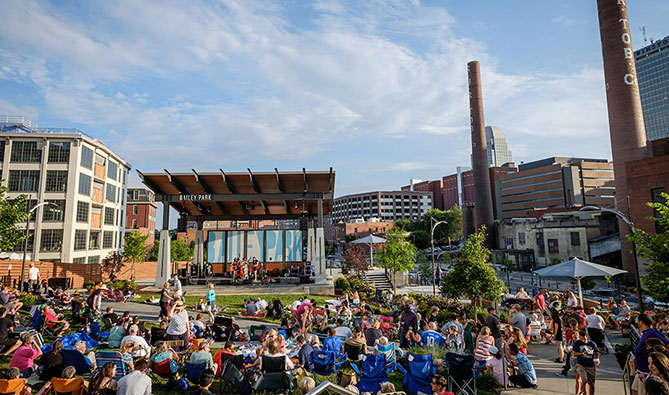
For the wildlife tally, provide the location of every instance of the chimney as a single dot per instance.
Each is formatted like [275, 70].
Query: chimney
[483, 210]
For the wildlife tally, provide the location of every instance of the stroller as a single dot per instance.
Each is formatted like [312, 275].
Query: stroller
[224, 329]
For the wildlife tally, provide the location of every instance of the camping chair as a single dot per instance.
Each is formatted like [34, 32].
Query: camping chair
[13, 386]
[463, 371]
[97, 333]
[390, 351]
[103, 357]
[373, 371]
[421, 369]
[353, 352]
[257, 332]
[160, 371]
[283, 332]
[220, 357]
[334, 344]
[76, 359]
[73, 386]
[232, 378]
[274, 376]
[326, 364]
[193, 371]
[388, 327]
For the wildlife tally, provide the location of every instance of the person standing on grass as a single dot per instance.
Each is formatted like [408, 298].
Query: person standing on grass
[33, 277]
[587, 359]
[176, 284]
[211, 302]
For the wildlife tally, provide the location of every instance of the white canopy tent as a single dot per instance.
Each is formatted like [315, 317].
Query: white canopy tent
[370, 240]
[577, 269]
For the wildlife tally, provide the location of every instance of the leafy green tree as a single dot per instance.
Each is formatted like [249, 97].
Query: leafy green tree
[397, 254]
[181, 250]
[421, 238]
[135, 248]
[112, 265]
[12, 213]
[406, 224]
[153, 256]
[655, 250]
[472, 274]
[443, 233]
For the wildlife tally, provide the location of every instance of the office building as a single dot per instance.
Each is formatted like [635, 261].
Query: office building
[554, 184]
[386, 206]
[652, 68]
[497, 147]
[141, 213]
[77, 173]
[428, 186]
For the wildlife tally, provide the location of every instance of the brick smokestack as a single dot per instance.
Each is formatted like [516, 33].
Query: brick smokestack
[628, 133]
[483, 211]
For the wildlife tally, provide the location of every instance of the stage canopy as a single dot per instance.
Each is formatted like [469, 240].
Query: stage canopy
[244, 196]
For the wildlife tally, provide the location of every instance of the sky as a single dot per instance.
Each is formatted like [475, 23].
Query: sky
[375, 89]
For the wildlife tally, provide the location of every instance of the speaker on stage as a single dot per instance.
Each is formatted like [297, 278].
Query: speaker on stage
[182, 224]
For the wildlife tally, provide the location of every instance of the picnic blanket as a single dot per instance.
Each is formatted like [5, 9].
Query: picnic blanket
[69, 340]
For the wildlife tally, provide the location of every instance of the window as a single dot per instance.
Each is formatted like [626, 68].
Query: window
[521, 238]
[86, 157]
[59, 152]
[94, 259]
[100, 160]
[52, 240]
[94, 240]
[135, 209]
[79, 260]
[23, 180]
[80, 239]
[109, 216]
[2, 151]
[107, 239]
[111, 193]
[52, 214]
[84, 184]
[18, 247]
[508, 243]
[82, 212]
[575, 238]
[56, 180]
[134, 224]
[112, 169]
[541, 248]
[26, 151]
[553, 246]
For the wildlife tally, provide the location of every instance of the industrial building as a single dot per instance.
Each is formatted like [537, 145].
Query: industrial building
[141, 213]
[75, 172]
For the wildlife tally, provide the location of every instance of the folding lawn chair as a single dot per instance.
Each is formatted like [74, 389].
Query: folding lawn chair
[13, 386]
[161, 371]
[76, 359]
[103, 357]
[193, 371]
[463, 371]
[257, 332]
[274, 376]
[353, 352]
[232, 378]
[326, 364]
[419, 375]
[372, 372]
[71, 386]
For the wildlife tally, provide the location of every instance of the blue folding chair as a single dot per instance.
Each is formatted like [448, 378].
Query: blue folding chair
[104, 357]
[419, 375]
[334, 344]
[283, 332]
[76, 359]
[193, 371]
[432, 339]
[373, 371]
[463, 371]
[97, 332]
[326, 364]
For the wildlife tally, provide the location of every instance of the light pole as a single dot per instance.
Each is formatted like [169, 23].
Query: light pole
[434, 225]
[25, 242]
[637, 278]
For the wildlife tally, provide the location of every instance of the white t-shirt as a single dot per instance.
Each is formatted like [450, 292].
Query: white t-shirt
[33, 274]
[572, 302]
[139, 341]
[177, 288]
[135, 383]
[343, 332]
[261, 304]
[594, 321]
[497, 366]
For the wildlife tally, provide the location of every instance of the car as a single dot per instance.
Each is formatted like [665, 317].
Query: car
[633, 302]
[498, 266]
[602, 294]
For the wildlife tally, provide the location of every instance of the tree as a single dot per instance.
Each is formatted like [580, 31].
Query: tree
[472, 274]
[112, 265]
[153, 256]
[181, 250]
[397, 254]
[12, 213]
[655, 250]
[355, 261]
[135, 248]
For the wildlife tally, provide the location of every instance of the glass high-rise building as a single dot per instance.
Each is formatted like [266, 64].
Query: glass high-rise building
[498, 149]
[652, 68]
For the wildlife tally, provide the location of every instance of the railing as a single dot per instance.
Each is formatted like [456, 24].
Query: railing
[16, 120]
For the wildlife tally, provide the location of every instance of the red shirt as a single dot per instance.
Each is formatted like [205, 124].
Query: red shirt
[50, 319]
[541, 301]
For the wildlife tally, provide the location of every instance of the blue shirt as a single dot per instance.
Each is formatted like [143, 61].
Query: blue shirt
[211, 295]
[525, 368]
[432, 338]
[640, 353]
[333, 343]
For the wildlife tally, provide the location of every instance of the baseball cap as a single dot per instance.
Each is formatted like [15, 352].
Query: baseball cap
[491, 308]
[493, 350]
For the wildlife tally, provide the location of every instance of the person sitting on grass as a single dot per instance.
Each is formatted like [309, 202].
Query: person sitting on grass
[80, 346]
[24, 357]
[250, 308]
[526, 376]
[55, 322]
[203, 355]
[104, 383]
[126, 354]
[52, 363]
[6, 327]
[204, 382]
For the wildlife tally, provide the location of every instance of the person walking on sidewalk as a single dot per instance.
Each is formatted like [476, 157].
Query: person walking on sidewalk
[587, 359]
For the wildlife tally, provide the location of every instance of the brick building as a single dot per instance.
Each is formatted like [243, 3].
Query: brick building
[141, 213]
[338, 232]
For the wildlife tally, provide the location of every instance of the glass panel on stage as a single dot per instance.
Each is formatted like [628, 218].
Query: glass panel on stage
[255, 245]
[293, 246]
[274, 246]
[216, 246]
[235, 245]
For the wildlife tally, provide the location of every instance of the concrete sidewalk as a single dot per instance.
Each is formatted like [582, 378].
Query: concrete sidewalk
[609, 375]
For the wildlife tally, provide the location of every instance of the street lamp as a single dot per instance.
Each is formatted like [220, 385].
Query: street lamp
[25, 242]
[434, 225]
[619, 214]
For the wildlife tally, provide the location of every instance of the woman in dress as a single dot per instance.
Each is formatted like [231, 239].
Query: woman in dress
[165, 300]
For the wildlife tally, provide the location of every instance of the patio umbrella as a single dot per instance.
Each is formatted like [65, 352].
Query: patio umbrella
[577, 269]
[371, 240]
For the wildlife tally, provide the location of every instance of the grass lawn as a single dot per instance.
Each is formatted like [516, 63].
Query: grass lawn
[235, 303]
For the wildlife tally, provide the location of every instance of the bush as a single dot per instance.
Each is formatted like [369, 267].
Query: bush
[437, 352]
[122, 285]
[425, 302]
[488, 383]
[343, 283]
[28, 299]
[89, 285]
[504, 315]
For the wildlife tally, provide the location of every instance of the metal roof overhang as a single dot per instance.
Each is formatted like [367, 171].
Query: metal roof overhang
[243, 196]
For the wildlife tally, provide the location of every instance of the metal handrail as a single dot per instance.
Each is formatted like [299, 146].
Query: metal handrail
[16, 120]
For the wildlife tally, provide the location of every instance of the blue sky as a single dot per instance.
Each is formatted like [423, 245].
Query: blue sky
[375, 89]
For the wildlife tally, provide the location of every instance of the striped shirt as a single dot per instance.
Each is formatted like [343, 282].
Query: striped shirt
[481, 353]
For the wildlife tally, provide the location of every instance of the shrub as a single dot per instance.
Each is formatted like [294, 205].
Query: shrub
[504, 315]
[489, 384]
[28, 299]
[122, 285]
[437, 352]
[89, 285]
[343, 283]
